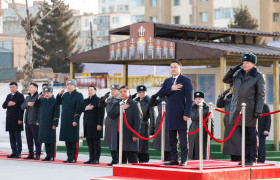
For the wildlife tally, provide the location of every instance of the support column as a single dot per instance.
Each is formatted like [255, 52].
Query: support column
[125, 74]
[223, 69]
[72, 70]
[276, 103]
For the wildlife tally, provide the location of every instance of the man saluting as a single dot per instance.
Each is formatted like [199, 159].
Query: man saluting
[178, 90]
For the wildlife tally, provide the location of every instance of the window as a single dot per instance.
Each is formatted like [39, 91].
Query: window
[153, 19]
[275, 38]
[275, 0]
[116, 20]
[154, 3]
[176, 2]
[275, 17]
[203, 0]
[137, 18]
[269, 88]
[224, 13]
[137, 3]
[204, 17]
[176, 19]
[206, 83]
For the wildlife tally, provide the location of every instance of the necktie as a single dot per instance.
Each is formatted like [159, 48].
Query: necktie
[173, 80]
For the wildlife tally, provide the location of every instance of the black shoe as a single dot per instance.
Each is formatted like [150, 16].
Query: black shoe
[11, 155]
[72, 161]
[246, 163]
[88, 162]
[95, 162]
[183, 163]
[18, 156]
[172, 163]
[47, 158]
[37, 157]
[66, 161]
[30, 156]
[112, 163]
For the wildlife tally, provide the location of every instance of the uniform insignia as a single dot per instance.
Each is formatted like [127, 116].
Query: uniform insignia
[197, 94]
[141, 87]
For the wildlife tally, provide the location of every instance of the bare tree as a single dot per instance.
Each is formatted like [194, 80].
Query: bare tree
[28, 23]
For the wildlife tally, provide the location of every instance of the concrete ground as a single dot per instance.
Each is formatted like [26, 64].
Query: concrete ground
[24, 170]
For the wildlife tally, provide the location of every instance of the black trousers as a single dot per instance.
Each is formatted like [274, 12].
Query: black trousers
[94, 148]
[143, 157]
[174, 142]
[250, 144]
[167, 156]
[235, 158]
[15, 141]
[127, 156]
[261, 150]
[32, 132]
[71, 150]
[49, 149]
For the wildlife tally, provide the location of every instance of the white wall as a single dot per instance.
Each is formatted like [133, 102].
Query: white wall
[184, 10]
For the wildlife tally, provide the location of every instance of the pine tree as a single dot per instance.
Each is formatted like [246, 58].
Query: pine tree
[243, 19]
[55, 39]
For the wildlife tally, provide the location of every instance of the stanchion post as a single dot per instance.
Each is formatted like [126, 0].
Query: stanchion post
[243, 111]
[209, 127]
[121, 133]
[163, 132]
[200, 137]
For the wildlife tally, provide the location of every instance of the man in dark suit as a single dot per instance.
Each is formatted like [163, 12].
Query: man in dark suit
[14, 118]
[264, 124]
[93, 123]
[178, 90]
[130, 140]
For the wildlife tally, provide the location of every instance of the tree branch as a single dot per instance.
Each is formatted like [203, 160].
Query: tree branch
[13, 6]
[56, 6]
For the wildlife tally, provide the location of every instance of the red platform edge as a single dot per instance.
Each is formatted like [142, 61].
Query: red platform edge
[137, 171]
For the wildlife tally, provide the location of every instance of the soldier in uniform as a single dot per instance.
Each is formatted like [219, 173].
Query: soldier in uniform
[105, 101]
[232, 146]
[49, 116]
[144, 99]
[248, 87]
[71, 102]
[31, 120]
[14, 116]
[178, 91]
[157, 141]
[130, 140]
[93, 125]
[194, 138]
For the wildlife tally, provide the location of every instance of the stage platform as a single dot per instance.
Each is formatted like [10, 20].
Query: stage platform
[213, 170]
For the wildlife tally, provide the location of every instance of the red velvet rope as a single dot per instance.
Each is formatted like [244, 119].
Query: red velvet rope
[204, 121]
[267, 114]
[221, 111]
[229, 136]
[138, 135]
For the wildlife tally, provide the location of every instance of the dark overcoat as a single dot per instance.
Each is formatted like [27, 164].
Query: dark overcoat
[49, 112]
[194, 138]
[144, 125]
[133, 118]
[264, 122]
[233, 145]
[178, 103]
[14, 113]
[71, 112]
[247, 88]
[157, 140]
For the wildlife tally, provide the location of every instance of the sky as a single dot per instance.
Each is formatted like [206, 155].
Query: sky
[82, 5]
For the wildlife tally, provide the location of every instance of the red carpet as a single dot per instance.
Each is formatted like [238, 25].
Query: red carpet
[3, 155]
[212, 170]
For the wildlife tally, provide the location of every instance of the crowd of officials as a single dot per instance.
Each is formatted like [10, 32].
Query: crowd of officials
[41, 114]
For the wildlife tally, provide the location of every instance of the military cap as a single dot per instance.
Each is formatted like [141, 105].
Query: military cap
[141, 88]
[249, 57]
[115, 86]
[199, 94]
[71, 81]
[48, 89]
